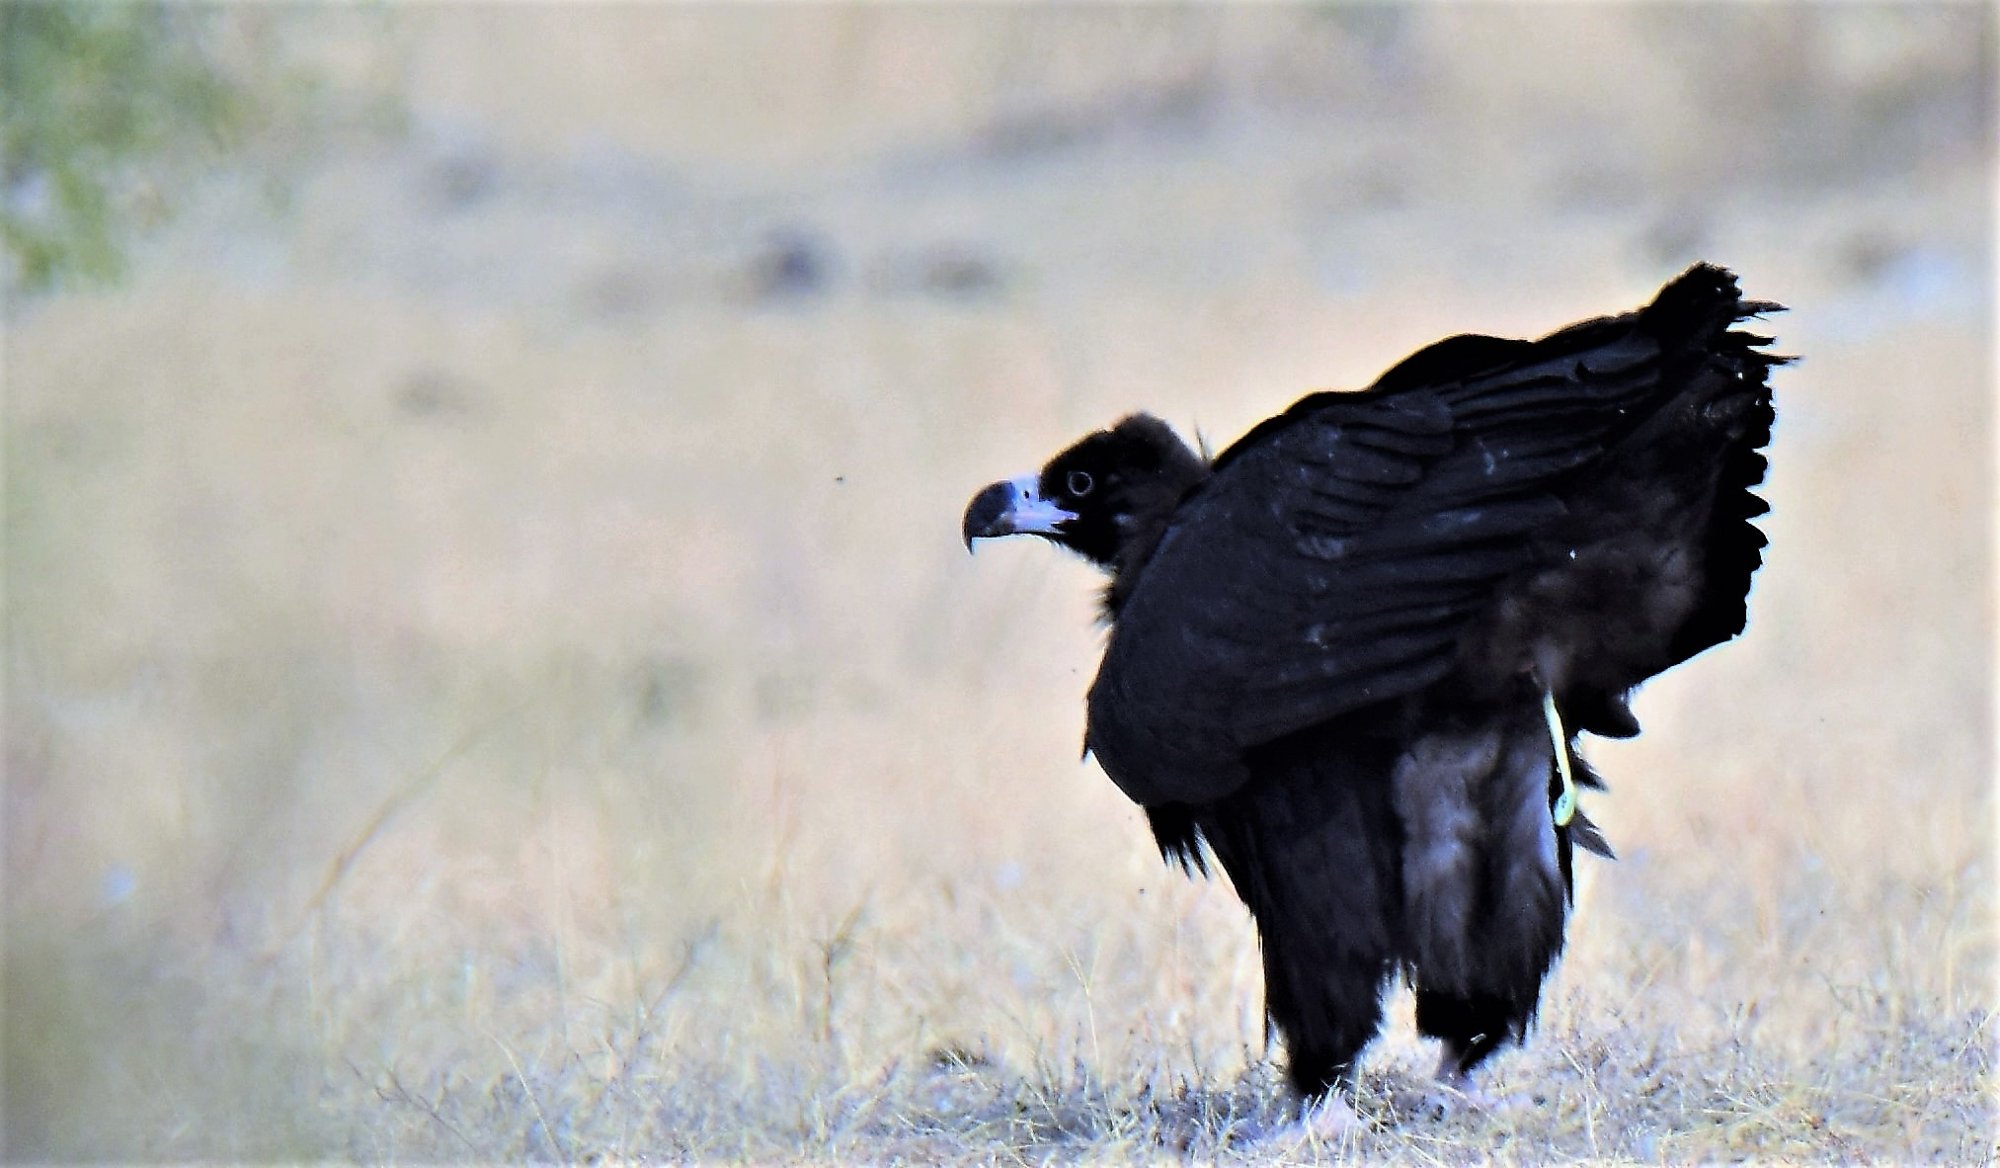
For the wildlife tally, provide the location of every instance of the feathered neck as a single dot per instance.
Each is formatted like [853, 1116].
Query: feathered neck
[1151, 501]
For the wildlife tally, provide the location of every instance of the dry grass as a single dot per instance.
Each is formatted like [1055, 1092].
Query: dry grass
[491, 675]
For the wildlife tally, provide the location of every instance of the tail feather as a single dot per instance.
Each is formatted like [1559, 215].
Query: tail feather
[1733, 548]
[1701, 301]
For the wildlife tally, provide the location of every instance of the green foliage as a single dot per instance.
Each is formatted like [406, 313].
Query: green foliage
[103, 104]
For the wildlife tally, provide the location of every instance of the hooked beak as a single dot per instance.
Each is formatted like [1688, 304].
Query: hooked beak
[1015, 507]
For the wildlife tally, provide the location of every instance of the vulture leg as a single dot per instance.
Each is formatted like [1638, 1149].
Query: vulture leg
[1307, 851]
[1472, 1028]
[1325, 1011]
[1483, 876]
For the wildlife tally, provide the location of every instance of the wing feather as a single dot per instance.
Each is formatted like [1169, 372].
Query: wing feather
[1339, 552]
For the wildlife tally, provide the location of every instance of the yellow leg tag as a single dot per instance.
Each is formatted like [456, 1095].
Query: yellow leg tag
[1565, 808]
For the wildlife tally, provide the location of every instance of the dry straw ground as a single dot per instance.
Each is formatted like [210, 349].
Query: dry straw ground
[491, 673]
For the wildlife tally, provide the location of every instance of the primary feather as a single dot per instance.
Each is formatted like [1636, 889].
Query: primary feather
[1331, 644]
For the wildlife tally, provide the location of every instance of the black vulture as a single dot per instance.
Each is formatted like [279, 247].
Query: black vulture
[1349, 656]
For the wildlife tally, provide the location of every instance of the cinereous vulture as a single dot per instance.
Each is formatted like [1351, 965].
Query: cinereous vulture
[1350, 656]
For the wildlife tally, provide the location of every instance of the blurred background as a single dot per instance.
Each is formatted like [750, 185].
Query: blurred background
[484, 605]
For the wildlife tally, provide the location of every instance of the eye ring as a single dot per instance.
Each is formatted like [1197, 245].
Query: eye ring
[1079, 483]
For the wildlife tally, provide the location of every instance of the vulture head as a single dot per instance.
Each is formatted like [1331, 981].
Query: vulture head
[1106, 498]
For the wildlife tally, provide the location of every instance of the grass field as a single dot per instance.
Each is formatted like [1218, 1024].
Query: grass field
[491, 672]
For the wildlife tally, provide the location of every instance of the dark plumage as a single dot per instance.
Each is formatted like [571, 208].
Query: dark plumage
[1332, 645]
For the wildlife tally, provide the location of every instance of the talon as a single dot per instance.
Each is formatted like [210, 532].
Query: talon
[1455, 1093]
[1332, 1118]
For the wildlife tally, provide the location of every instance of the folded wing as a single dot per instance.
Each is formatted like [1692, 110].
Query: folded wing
[1348, 550]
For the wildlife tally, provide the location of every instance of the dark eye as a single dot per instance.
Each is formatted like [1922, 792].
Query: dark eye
[1079, 483]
